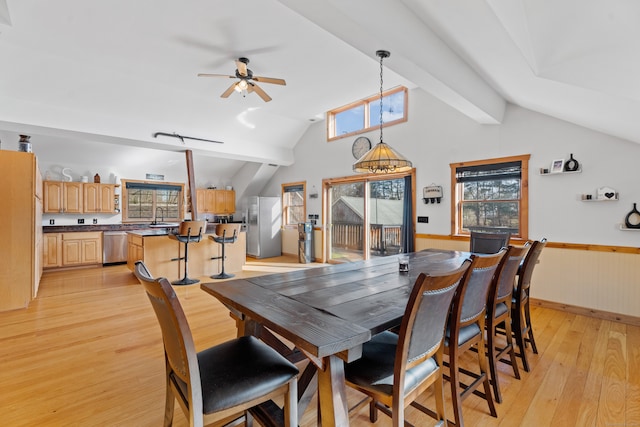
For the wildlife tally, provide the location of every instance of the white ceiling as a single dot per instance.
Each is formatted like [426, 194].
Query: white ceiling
[117, 72]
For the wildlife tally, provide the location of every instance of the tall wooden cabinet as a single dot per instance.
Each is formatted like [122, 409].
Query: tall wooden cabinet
[20, 229]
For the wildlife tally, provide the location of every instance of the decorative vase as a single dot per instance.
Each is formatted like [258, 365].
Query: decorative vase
[96, 179]
[632, 220]
[571, 165]
[24, 144]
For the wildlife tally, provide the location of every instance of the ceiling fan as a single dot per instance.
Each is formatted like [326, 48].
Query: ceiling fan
[246, 83]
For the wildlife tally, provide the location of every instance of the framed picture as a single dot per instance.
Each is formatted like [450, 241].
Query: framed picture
[557, 166]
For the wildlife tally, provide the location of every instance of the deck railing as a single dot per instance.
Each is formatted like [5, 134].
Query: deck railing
[384, 239]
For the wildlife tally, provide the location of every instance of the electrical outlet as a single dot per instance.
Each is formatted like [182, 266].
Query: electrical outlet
[424, 219]
[80, 220]
[95, 220]
[52, 222]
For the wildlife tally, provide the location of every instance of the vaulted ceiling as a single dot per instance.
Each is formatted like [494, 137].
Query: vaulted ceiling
[117, 72]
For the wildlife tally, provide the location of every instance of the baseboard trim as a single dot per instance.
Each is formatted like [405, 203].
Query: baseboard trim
[599, 314]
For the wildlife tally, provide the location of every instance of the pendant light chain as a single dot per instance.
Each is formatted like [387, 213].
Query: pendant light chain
[382, 55]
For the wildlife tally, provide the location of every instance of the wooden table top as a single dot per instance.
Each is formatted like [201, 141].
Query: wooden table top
[332, 309]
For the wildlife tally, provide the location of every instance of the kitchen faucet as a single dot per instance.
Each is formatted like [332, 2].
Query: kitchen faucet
[155, 217]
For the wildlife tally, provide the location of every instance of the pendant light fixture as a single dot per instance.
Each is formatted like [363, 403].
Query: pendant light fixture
[382, 158]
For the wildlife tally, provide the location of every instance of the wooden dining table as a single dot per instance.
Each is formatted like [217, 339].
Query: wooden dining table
[325, 315]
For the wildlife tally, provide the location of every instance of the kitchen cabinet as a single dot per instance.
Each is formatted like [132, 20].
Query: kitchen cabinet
[52, 250]
[20, 228]
[98, 197]
[135, 250]
[81, 248]
[63, 197]
[218, 202]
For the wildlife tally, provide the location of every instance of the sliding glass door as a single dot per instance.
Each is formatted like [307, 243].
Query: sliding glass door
[365, 217]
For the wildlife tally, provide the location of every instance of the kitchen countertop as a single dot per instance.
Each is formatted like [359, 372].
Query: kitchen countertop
[115, 227]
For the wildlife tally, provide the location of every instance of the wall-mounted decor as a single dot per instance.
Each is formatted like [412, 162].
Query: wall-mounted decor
[603, 194]
[571, 165]
[432, 193]
[557, 166]
[632, 220]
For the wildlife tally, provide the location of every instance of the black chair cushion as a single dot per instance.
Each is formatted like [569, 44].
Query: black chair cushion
[240, 370]
[374, 370]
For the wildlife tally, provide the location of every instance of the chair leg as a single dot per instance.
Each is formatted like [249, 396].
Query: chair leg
[291, 404]
[482, 362]
[493, 360]
[518, 332]
[441, 416]
[511, 347]
[454, 380]
[373, 411]
[185, 280]
[168, 404]
[222, 274]
[527, 315]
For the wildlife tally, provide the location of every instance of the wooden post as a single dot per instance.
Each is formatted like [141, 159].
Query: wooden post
[191, 203]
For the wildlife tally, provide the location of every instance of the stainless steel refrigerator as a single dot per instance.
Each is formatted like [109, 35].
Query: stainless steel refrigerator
[264, 237]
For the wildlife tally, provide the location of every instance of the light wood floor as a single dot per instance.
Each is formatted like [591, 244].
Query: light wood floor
[88, 352]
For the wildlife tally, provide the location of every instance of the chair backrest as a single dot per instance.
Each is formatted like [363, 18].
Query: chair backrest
[526, 270]
[178, 343]
[192, 228]
[488, 243]
[471, 302]
[501, 289]
[423, 324]
[228, 230]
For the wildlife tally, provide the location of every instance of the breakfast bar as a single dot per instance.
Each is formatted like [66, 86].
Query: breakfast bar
[157, 249]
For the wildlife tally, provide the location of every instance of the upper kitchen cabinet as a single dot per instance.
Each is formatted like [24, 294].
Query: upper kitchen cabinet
[63, 197]
[99, 197]
[21, 230]
[218, 202]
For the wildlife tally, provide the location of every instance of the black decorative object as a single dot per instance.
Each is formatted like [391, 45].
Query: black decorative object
[571, 165]
[24, 144]
[632, 220]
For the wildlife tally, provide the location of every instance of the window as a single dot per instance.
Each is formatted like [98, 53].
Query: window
[294, 208]
[146, 201]
[364, 115]
[491, 195]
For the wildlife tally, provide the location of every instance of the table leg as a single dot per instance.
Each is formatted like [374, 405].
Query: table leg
[333, 393]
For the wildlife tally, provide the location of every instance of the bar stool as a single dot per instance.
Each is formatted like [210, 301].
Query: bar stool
[225, 233]
[187, 234]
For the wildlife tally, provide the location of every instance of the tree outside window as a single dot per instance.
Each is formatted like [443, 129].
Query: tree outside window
[294, 209]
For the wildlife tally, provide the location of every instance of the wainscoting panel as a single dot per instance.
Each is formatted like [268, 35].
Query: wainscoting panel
[595, 280]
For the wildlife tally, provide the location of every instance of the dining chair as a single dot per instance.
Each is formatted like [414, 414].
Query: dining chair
[396, 368]
[221, 383]
[499, 312]
[520, 313]
[482, 242]
[466, 330]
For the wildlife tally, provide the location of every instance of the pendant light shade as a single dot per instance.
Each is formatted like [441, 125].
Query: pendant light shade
[382, 158]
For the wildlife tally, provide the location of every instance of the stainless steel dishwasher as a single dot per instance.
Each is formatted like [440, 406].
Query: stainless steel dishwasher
[114, 247]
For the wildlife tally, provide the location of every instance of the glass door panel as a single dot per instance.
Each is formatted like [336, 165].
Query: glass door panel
[346, 222]
[386, 207]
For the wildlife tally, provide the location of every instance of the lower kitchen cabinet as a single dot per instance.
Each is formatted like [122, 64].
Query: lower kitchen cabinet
[72, 249]
[52, 250]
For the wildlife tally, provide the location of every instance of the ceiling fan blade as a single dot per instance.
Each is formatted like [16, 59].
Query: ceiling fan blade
[216, 75]
[269, 80]
[242, 68]
[229, 91]
[261, 93]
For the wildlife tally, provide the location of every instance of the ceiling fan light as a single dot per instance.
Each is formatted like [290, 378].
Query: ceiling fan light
[242, 85]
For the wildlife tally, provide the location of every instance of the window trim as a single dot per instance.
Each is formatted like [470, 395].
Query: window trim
[456, 215]
[331, 125]
[304, 203]
[125, 205]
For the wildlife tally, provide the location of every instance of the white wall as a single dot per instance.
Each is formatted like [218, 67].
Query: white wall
[435, 136]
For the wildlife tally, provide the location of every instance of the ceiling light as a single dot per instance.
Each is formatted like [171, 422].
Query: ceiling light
[382, 158]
